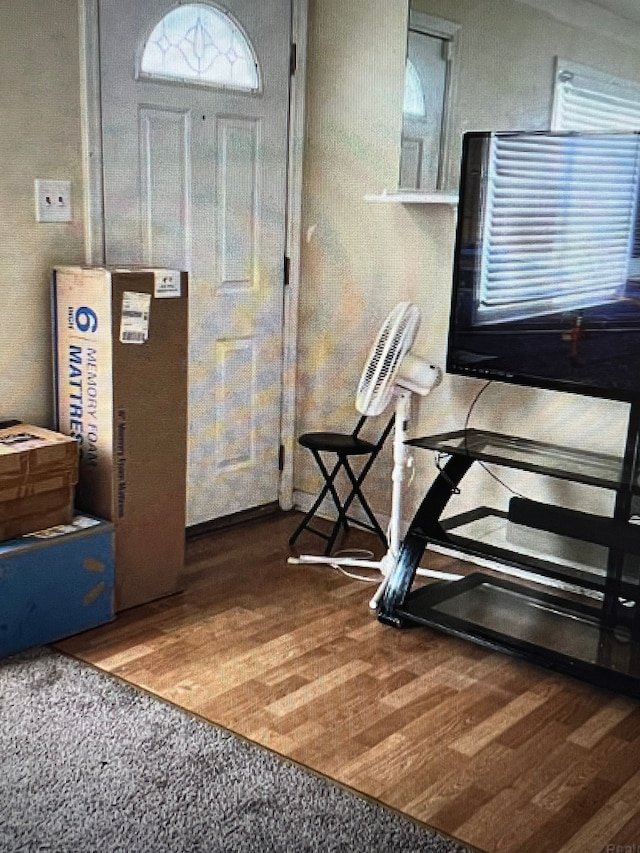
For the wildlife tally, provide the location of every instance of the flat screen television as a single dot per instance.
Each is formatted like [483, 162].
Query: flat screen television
[546, 282]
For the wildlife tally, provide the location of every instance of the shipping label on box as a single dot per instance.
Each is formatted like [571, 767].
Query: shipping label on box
[167, 284]
[134, 317]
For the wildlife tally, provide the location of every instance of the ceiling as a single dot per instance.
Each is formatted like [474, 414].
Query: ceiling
[617, 19]
[629, 9]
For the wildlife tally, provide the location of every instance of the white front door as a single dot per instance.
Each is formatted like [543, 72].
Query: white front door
[195, 103]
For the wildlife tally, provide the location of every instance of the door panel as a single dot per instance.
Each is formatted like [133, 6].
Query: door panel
[165, 183]
[195, 178]
[239, 208]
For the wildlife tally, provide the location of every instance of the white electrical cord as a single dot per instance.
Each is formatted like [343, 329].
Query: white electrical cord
[355, 554]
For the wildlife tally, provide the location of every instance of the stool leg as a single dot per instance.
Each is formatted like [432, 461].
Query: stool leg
[309, 515]
[328, 487]
[356, 491]
[330, 478]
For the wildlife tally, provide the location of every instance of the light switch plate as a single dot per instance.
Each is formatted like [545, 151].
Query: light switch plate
[53, 201]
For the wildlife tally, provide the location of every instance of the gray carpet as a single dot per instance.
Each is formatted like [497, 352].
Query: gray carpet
[90, 764]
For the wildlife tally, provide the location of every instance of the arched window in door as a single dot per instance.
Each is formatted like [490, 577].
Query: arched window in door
[199, 43]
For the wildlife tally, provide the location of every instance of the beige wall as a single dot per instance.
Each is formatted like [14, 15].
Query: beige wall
[39, 138]
[360, 258]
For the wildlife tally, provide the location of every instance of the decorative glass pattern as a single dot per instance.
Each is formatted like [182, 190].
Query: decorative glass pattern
[200, 43]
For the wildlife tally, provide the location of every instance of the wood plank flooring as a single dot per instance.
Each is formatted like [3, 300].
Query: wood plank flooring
[499, 754]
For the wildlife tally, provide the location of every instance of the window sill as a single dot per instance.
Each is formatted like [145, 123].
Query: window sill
[414, 197]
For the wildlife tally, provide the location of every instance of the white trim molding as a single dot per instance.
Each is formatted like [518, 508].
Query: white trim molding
[91, 129]
[293, 249]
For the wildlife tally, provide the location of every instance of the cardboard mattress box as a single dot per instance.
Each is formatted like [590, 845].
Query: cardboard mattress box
[38, 473]
[121, 391]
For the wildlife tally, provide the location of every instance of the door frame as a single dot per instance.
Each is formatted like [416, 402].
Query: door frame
[93, 200]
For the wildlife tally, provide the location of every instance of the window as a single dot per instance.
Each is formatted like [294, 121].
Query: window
[200, 43]
[586, 99]
[555, 207]
[427, 92]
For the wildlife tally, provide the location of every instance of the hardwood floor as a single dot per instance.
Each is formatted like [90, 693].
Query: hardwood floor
[499, 754]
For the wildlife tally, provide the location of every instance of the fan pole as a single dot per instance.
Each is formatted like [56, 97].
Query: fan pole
[403, 412]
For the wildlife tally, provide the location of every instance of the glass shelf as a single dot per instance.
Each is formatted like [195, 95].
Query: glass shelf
[488, 533]
[545, 629]
[595, 469]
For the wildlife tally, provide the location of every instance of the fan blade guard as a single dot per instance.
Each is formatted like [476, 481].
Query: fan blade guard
[395, 339]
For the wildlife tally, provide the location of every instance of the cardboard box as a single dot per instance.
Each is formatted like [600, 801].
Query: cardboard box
[121, 390]
[38, 473]
[55, 583]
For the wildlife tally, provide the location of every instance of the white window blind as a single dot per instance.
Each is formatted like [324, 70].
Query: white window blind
[562, 211]
[586, 99]
[558, 223]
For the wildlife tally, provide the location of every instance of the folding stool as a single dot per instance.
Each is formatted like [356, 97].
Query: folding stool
[343, 446]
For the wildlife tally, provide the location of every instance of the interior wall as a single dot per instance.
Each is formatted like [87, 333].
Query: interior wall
[39, 138]
[360, 257]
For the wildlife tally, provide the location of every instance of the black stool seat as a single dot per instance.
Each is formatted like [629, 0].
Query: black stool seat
[336, 442]
[342, 446]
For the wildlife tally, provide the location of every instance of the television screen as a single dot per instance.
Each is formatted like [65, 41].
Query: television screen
[546, 284]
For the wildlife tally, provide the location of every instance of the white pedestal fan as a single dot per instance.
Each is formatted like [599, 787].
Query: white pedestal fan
[390, 372]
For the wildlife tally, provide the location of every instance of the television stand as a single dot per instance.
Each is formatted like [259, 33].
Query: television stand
[567, 592]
